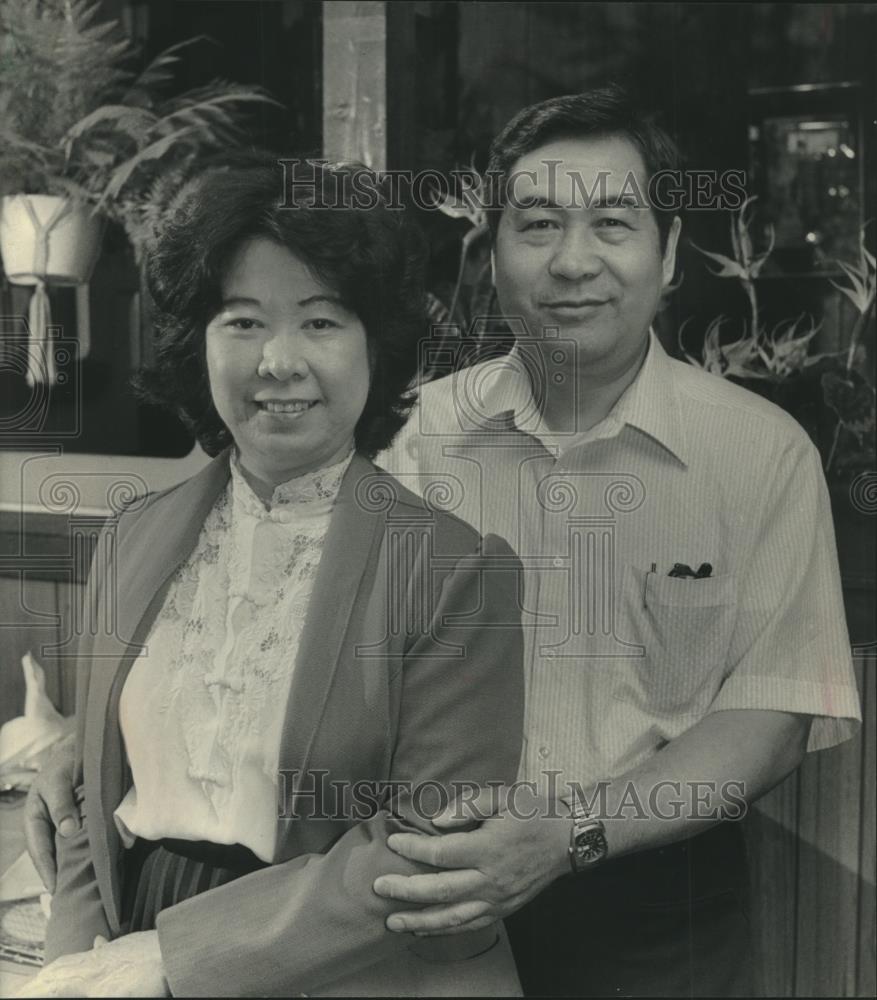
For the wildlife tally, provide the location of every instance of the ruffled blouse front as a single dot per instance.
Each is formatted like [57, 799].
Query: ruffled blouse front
[202, 710]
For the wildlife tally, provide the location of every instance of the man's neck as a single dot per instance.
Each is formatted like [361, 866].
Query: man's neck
[583, 398]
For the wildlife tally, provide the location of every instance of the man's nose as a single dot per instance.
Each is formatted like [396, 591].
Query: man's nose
[284, 357]
[576, 256]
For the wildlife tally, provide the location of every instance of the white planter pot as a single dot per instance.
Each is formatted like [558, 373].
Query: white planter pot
[48, 239]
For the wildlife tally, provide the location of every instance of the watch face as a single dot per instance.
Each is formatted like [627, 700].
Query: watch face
[590, 847]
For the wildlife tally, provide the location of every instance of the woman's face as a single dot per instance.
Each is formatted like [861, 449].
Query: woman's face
[288, 364]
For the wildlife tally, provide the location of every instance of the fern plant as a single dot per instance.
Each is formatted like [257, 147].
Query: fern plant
[76, 120]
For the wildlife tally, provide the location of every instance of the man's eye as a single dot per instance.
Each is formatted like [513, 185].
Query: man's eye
[539, 224]
[613, 223]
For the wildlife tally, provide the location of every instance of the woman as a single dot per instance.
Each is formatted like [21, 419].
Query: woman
[313, 671]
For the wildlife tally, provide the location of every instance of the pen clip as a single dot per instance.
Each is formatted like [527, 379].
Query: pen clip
[654, 569]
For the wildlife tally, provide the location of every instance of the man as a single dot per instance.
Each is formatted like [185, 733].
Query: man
[685, 627]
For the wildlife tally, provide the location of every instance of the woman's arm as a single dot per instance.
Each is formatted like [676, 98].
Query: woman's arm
[295, 926]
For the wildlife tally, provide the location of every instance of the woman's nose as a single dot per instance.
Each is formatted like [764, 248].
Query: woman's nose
[576, 257]
[283, 358]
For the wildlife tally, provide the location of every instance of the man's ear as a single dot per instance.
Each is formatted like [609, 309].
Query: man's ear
[493, 266]
[669, 262]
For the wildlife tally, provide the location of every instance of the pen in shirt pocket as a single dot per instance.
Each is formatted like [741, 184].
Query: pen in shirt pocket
[680, 571]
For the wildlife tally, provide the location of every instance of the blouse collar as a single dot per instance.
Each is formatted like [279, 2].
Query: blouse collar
[310, 493]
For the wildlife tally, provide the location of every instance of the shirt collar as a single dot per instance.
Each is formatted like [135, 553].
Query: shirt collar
[648, 404]
[311, 492]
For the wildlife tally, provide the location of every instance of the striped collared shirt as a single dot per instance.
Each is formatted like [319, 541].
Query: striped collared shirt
[686, 468]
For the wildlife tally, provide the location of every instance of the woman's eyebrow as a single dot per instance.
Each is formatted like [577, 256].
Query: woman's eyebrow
[239, 300]
[331, 300]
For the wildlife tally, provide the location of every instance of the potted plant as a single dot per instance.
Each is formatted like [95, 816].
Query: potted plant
[84, 138]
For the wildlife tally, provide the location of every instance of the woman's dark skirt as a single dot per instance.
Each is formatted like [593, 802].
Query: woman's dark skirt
[159, 874]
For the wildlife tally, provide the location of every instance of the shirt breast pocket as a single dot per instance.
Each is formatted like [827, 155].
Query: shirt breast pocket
[685, 628]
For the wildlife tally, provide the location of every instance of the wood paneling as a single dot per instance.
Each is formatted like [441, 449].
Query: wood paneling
[772, 846]
[866, 965]
[829, 831]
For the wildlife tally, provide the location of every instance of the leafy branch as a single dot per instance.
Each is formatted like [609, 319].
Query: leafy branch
[76, 120]
[778, 354]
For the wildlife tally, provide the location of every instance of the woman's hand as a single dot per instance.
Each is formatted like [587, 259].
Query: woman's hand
[130, 966]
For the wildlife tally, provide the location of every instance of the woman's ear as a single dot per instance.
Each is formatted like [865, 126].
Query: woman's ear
[669, 261]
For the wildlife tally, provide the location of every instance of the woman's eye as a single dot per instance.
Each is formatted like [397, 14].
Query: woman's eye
[242, 323]
[321, 323]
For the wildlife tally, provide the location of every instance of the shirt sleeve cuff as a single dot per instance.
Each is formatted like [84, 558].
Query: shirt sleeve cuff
[835, 707]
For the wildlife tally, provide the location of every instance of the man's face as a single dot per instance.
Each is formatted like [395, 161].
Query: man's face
[574, 252]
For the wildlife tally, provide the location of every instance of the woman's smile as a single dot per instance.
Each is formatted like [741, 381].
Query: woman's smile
[290, 409]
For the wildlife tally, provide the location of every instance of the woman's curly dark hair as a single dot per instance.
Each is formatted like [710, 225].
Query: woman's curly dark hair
[336, 220]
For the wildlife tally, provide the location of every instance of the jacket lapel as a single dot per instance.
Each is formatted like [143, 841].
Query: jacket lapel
[154, 547]
[350, 547]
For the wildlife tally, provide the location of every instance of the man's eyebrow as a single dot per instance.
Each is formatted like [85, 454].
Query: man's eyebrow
[535, 201]
[610, 201]
[617, 201]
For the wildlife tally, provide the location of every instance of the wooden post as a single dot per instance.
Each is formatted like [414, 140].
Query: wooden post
[355, 82]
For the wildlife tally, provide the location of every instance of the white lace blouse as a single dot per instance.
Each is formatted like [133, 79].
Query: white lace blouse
[202, 709]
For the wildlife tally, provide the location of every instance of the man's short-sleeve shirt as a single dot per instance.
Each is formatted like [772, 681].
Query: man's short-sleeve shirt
[687, 468]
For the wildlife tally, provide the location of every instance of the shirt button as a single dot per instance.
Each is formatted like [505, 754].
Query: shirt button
[544, 752]
[557, 561]
[550, 653]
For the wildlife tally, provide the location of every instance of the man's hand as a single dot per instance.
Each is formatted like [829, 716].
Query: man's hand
[494, 870]
[51, 805]
[130, 966]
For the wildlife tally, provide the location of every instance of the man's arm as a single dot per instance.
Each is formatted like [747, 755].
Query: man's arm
[790, 679]
[727, 759]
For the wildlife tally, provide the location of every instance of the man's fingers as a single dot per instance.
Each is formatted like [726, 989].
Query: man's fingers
[441, 887]
[473, 925]
[51, 805]
[55, 784]
[442, 919]
[450, 850]
[464, 810]
[40, 839]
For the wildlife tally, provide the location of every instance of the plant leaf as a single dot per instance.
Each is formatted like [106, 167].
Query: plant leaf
[154, 151]
[728, 268]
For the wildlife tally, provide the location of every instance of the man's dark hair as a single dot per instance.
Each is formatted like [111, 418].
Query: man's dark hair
[607, 111]
[373, 257]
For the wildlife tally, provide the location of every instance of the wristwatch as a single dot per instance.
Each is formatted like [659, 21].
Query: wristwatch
[587, 840]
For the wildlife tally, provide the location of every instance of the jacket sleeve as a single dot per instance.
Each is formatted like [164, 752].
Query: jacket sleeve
[293, 927]
[77, 915]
